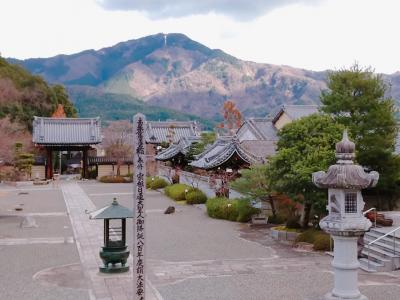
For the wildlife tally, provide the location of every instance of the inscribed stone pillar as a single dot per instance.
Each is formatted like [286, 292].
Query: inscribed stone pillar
[139, 189]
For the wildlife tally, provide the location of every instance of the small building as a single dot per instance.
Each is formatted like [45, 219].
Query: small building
[106, 166]
[66, 134]
[158, 134]
[257, 129]
[290, 113]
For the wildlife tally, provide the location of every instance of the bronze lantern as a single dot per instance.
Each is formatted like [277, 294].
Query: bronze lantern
[114, 253]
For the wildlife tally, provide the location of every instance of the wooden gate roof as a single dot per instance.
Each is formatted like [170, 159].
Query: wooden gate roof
[66, 131]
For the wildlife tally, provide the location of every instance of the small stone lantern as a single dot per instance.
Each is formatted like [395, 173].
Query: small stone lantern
[345, 221]
[114, 253]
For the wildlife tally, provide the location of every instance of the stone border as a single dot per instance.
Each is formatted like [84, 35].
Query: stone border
[283, 235]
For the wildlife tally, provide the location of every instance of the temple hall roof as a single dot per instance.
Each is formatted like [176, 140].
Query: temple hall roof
[262, 129]
[221, 151]
[182, 147]
[296, 112]
[66, 131]
[158, 132]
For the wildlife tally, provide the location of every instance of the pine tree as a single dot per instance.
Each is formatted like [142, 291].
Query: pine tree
[357, 98]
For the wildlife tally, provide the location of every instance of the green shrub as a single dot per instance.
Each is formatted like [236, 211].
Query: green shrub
[293, 222]
[156, 183]
[177, 191]
[307, 236]
[238, 210]
[245, 210]
[277, 219]
[319, 239]
[114, 179]
[322, 242]
[195, 196]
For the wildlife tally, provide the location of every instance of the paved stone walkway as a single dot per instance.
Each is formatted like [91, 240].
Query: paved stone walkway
[89, 238]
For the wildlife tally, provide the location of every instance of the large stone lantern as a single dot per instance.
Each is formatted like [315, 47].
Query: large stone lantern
[114, 253]
[345, 221]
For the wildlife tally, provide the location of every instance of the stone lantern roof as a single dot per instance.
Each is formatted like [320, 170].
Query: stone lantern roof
[345, 174]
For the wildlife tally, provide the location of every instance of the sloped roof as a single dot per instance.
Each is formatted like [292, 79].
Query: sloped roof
[296, 112]
[221, 151]
[262, 128]
[113, 211]
[66, 131]
[106, 160]
[182, 147]
[262, 149]
[158, 132]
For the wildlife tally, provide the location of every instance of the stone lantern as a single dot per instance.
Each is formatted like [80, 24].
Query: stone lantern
[345, 221]
[114, 253]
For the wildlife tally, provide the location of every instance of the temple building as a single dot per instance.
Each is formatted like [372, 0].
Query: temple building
[65, 134]
[162, 134]
[226, 152]
[176, 152]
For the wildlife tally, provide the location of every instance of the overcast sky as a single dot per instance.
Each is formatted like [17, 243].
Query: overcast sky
[311, 34]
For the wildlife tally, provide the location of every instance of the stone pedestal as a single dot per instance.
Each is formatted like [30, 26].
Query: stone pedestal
[345, 264]
[345, 221]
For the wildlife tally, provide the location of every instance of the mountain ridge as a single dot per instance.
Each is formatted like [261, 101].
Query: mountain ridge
[173, 71]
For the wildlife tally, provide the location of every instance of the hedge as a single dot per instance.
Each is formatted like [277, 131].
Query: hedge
[195, 196]
[114, 179]
[177, 191]
[156, 183]
[239, 210]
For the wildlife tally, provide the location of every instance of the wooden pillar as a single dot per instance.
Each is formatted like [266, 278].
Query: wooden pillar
[85, 163]
[49, 165]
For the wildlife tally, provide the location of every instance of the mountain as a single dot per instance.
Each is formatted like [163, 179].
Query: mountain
[173, 71]
[22, 96]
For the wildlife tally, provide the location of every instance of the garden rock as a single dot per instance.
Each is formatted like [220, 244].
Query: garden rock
[169, 210]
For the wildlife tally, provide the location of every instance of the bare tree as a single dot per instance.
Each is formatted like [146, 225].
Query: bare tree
[117, 142]
[10, 134]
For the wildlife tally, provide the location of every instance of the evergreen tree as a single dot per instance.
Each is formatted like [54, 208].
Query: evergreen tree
[23, 160]
[357, 99]
[305, 146]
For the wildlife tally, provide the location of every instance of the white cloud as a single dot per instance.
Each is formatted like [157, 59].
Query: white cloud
[333, 34]
[238, 9]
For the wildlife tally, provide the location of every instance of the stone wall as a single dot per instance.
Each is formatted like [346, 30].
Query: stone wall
[38, 172]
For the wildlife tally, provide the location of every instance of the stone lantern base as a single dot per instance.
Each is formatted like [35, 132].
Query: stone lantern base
[345, 264]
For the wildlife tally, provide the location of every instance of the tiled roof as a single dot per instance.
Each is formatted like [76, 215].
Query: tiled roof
[221, 151]
[296, 112]
[182, 147]
[262, 149]
[106, 160]
[66, 131]
[262, 129]
[158, 132]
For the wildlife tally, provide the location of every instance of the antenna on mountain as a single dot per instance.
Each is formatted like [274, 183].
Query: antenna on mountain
[165, 40]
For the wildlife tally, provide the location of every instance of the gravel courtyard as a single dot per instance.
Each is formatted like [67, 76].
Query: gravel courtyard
[189, 255]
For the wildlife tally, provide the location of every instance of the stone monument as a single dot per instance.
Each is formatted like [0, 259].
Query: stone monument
[345, 221]
[139, 190]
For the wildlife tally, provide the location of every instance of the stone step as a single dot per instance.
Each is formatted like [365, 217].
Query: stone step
[382, 252]
[378, 232]
[384, 246]
[371, 236]
[372, 266]
[376, 257]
